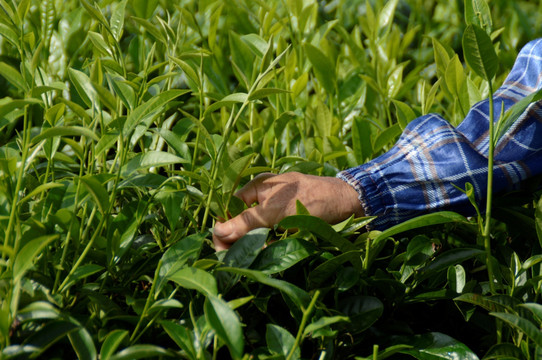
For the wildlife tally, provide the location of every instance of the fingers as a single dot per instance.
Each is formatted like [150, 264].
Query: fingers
[249, 193]
[228, 232]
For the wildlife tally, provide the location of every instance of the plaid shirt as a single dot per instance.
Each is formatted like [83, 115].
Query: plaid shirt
[418, 174]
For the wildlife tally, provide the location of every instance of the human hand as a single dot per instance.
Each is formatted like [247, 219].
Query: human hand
[329, 198]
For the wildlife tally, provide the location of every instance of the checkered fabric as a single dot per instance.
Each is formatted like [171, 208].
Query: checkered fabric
[417, 175]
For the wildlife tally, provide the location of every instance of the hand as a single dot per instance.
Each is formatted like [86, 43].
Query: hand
[275, 196]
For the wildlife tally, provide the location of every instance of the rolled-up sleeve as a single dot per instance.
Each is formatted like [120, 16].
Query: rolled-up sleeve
[431, 158]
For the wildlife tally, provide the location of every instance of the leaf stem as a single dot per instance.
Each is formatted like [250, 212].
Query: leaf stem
[304, 319]
[487, 225]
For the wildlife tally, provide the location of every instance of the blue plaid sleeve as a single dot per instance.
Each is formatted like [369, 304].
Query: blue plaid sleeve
[418, 174]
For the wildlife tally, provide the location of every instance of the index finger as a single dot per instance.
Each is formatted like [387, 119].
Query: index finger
[249, 192]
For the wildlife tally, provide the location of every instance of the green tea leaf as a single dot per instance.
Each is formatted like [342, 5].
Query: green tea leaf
[232, 175]
[228, 100]
[241, 58]
[111, 343]
[433, 346]
[188, 70]
[477, 12]
[323, 322]
[504, 351]
[148, 26]
[494, 303]
[182, 337]
[117, 20]
[258, 45]
[195, 279]
[226, 324]
[536, 309]
[65, 131]
[82, 272]
[153, 159]
[123, 90]
[9, 33]
[49, 334]
[405, 114]
[386, 137]
[516, 111]
[387, 13]
[479, 52]
[318, 227]
[363, 311]
[457, 278]
[283, 254]
[449, 258]
[144, 8]
[323, 68]
[84, 87]
[454, 75]
[150, 108]
[83, 344]
[105, 143]
[178, 256]
[329, 268]
[13, 76]
[99, 44]
[241, 255]
[442, 217]
[280, 341]
[24, 259]
[141, 352]
[519, 323]
[442, 57]
[97, 190]
[38, 310]
[265, 92]
[298, 296]
[38, 190]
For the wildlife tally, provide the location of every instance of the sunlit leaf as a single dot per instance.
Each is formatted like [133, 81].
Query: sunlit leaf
[433, 346]
[111, 343]
[83, 344]
[479, 52]
[196, 279]
[477, 12]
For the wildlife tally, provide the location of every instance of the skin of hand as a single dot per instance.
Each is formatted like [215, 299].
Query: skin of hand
[275, 197]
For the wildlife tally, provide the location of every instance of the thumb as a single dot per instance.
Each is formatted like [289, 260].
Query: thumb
[228, 232]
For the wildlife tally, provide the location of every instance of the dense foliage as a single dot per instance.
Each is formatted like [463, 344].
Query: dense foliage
[126, 126]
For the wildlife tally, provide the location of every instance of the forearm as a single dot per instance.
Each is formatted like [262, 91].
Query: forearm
[421, 172]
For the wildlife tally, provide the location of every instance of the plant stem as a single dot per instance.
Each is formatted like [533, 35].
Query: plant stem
[147, 303]
[487, 227]
[18, 185]
[304, 319]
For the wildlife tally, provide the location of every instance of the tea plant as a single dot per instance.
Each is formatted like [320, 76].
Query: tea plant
[127, 126]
